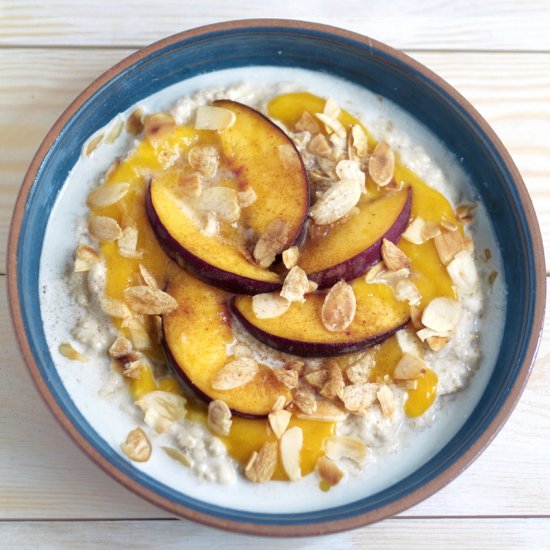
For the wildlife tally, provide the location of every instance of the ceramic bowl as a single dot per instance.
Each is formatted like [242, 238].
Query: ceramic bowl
[383, 71]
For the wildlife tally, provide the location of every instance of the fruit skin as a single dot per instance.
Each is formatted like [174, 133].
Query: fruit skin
[299, 331]
[358, 264]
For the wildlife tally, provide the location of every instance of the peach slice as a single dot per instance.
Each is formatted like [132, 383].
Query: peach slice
[300, 329]
[196, 337]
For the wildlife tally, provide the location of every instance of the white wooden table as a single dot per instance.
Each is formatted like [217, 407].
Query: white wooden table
[496, 53]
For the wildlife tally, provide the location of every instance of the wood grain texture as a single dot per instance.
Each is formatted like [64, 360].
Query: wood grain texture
[428, 534]
[431, 24]
[43, 475]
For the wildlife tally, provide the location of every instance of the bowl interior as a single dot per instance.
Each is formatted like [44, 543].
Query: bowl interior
[381, 71]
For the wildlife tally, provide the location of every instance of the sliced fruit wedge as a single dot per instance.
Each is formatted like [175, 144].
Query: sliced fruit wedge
[350, 248]
[196, 337]
[300, 329]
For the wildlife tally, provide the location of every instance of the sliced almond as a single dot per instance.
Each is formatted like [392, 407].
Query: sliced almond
[317, 378]
[416, 317]
[280, 403]
[148, 279]
[430, 231]
[162, 409]
[221, 201]
[290, 256]
[107, 195]
[93, 144]
[204, 159]
[287, 377]
[127, 243]
[373, 272]
[137, 446]
[409, 367]
[278, 420]
[319, 146]
[306, 123]
[393, 257]
[269, 305]
[425, 333]
[157, 127]
[190, 184]
[120, 347]
[414, 231]
[219, 417]
[437, 343]
[326, 411]
[139, 336]
[211, 227]
[209, 117]
[261, 466]
[382, 164]
[441, 314]
[448, 245]
[331, 108]
[134, 124]
[408, 342]
[339, 307]
[332, 124]
[386, 400]
[305, 400]
[360, 372]
[463, 272]
[114, 131]
[86, 256]
[294, 364]
[104, 229]
[406, 291]
[247, 197]
[328, 471]
[133, 369]
[334, 385]
[359, 141]
[67, 350]
[407, 384]
[312, 287]
[242, 350]
[291, 446]
[178, 455]
[113, 307]
[272, 242]
[295, 285]
[234, 374]
[336, 202]
[149, 301]
[357, 397]
[341, 446]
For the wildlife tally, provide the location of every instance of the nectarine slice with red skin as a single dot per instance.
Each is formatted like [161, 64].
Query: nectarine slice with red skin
[300, 330]
[350, 248]
[195, 338]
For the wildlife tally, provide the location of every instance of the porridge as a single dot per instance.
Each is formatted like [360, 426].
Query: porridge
[330, 302]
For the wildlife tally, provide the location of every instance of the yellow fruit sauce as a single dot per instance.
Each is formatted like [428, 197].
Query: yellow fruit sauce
[146, 161]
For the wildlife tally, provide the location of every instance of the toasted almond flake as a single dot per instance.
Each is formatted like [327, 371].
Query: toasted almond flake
[287, 377]
[218, 119]
[406, 291]
[359, 141]
[306, 123]
[211, 226]
[425, 333]
[316, 378]
[319, 146]
[448, 245]
[104, 229]
[262, 464]
[137, 446]
[294, 364]
[272, 242]
[416, 317]
[242, 350]
[139, 336]
[312, 287]
[278, 420]
[157, 127]
[382, 164]
[341, 446]
[407, 384]
[408, 342]
[393, 277]
[93, 144]
[386, 400]
[133, 369]
[332, 124]
[291, 446]
[409, 367]
[115, 131]
[219, 417]
[120, 347]
[304, 399]
[269, 305]
[492, 277]
[328, 471]
[247, 197]
[326, 411]
[339, 307]
[67, 350]
[463, 272]
[162, 409]
[336, 202]
[373, 272]
[360, 372]
[393, 257]
[279, 404]
[149, 301]
[134, 124]
[331, 108]
[437, 343]
[448, 225]
[234, 374]
[113, 307]
[290, 256]
[295, 285]
[357, 397]
[80, 266]
[107, 195]
[148, 279]
[127, 243]
[204, 159]
[222, 201]
[414, 231]
[430, 231]
[441, 314]
[190, 184]
[334, 386]
[87, 254]
[349, 169]
[179, 456]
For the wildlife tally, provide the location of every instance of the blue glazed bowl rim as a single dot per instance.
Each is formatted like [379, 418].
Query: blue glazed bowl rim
[327, 521]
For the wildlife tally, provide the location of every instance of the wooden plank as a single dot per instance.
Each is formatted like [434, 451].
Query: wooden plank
[432, 24]
[512, 91]
[428, 534]
[44, 476]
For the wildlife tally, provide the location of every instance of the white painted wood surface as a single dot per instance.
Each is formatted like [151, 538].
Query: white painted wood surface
[496, 53]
